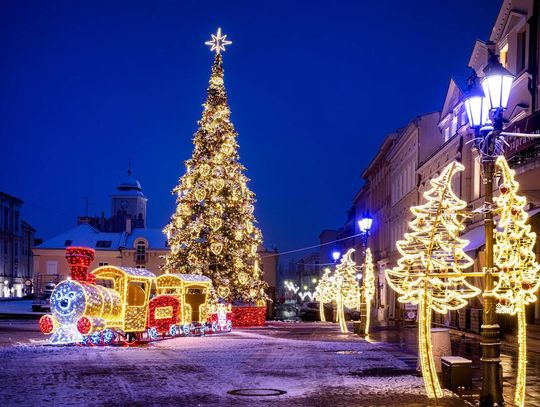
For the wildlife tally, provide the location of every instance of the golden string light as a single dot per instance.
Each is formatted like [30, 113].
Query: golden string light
[429, 272]
[368, 287]
[218, 42]
[323, 292]
[345, 289]
[518, 270]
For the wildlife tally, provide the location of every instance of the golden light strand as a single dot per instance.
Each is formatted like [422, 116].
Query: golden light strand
[429, 272]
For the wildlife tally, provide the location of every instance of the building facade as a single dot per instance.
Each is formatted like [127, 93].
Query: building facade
[16, 242]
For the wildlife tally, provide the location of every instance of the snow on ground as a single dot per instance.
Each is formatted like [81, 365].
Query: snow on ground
[313, 363]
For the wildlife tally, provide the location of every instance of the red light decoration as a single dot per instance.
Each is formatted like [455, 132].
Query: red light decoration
[163, 311]
[248, 316]
[79, 259]
[46, 324]
[84, 325]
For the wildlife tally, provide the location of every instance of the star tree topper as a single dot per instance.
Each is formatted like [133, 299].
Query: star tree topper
[218, 42]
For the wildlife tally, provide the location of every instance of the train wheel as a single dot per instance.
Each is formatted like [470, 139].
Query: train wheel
[108, 336]
[173, 330]
[95, 338]
[152, 333]
[185, 329]
[229, 326]
[214, 327]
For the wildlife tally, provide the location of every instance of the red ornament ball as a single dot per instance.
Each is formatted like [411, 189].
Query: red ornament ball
[526, 285]
[503, 301]
[84, 325]
[504, 189]
[46, 324]
[514, 211]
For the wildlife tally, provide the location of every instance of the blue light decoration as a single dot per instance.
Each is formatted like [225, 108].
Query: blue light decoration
[185, 329]
[214, 326]
[108, 336]
[152, 333]
[173, 330]
[95, 338]
[229, 326]
[68, 303]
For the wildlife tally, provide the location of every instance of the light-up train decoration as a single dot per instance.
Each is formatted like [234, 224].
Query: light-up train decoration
[112, 305]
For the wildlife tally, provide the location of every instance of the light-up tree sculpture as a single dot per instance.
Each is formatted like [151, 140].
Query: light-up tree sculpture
[519, 272]
[323, 292]
[213, 230]
[345, 287]
[429, 272]
[368, 287]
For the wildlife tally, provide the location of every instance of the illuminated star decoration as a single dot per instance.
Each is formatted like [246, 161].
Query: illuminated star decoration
[218, 42]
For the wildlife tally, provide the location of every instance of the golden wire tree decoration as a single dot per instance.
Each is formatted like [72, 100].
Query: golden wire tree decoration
[323, 292]
[368, 287]
[429, 272]
[345, 288]
[518, 270]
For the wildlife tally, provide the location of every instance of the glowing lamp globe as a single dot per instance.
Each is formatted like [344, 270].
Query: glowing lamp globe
[497, 82]
[365, 223]
[477, 106]
[336, 255]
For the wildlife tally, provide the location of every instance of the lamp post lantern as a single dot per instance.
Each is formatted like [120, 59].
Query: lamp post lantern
[494, 94]
[336, 255]
[364, 224]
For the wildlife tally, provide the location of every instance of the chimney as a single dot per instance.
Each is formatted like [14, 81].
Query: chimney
[128, 226]
[79, 259]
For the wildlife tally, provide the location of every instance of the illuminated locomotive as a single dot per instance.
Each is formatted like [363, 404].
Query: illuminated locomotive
[113, 305]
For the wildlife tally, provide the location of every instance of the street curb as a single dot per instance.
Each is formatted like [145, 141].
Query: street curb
[14, 315]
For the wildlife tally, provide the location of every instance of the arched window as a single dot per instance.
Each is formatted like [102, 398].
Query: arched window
[140, 250]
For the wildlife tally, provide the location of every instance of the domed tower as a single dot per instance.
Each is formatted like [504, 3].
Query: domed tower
[128, 202]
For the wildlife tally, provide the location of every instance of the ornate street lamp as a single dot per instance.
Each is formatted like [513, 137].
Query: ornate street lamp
[496, 86]
[364, 224]
[336, 255]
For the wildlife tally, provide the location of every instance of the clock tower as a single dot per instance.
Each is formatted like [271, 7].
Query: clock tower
[128, 202]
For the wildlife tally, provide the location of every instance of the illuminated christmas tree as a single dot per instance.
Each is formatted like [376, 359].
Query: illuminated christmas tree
[212, 231]
[345, 287]
[429, 272]
[519, 272]
[368, 287]
[323, 292]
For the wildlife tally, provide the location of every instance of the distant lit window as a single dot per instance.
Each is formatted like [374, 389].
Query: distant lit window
[103, 263]
[141, 250]
[446, 133]
[454, 125]
[503, 55]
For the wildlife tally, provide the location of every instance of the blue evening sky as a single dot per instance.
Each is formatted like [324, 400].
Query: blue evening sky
[314, 87]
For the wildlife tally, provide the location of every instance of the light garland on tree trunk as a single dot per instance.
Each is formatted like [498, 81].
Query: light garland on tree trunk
[518, 270]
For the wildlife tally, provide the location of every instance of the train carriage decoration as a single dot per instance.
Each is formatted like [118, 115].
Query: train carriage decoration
[115, 305]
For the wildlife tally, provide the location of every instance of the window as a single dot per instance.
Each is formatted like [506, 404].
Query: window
[16, 222]
[141, 250]
[454, 126]
[104, 243]
[103, 263]
[521, 50]
[503, 56]
[446, 133]
[52, 267]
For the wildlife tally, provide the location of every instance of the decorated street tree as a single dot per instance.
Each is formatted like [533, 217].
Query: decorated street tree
[368, 287]
[429, 272]
[212, 231]
[345, 287]
[323, 292]
[519, 272]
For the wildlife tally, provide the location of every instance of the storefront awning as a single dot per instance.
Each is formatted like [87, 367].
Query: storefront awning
[477, 236]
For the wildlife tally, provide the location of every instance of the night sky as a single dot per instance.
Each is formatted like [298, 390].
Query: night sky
[314, 87]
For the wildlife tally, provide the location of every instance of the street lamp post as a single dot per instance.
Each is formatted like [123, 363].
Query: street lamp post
[364, 224]
[484, 109]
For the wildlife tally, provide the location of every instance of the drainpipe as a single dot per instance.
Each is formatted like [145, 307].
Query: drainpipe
[533, 54]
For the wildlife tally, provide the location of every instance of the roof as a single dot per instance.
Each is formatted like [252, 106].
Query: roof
[87, 236]
[129, 271]
[195, 278]
[10, 197]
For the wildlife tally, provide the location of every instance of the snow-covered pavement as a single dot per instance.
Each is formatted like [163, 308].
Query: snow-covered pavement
[312, 363]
